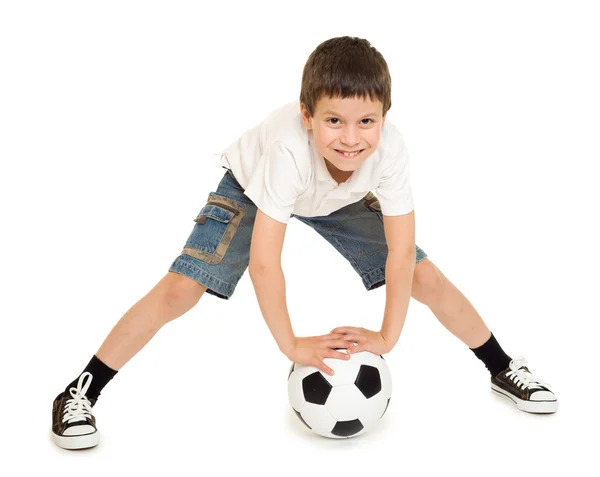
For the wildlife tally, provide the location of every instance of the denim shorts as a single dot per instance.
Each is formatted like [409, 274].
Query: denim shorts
[217, 252]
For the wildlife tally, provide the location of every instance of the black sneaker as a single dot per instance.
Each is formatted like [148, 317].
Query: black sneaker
[526, 391]
[73, 424]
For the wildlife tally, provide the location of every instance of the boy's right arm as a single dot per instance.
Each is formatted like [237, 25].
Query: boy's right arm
[267, 277]
[268, 280]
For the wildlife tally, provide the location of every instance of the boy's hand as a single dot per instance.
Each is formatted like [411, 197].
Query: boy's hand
[366, 340]
[312, 349]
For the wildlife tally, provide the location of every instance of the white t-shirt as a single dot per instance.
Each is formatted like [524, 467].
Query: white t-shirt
[282, 172]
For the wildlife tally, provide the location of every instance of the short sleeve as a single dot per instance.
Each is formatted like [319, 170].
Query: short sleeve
[275, 183]
[394, 191]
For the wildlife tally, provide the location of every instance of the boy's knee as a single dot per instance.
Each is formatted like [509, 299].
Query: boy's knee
[428, 280]
[181, 291]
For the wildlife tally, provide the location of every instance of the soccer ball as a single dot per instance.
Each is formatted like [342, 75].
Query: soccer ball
[347, 404]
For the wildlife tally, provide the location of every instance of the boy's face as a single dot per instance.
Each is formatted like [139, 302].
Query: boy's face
[350, 125]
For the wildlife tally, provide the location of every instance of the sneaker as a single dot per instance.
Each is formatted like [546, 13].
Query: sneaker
[73, 424]
[526, 391]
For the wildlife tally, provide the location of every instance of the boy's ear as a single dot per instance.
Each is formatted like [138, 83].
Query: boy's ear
[306, 119]
[383, 120]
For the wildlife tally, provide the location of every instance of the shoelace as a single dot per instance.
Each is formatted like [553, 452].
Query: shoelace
[523, 378]
[79, 408]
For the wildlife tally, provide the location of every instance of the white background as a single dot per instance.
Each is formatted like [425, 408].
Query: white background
[110, 113]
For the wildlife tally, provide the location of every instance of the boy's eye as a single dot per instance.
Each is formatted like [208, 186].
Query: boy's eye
[368, 121]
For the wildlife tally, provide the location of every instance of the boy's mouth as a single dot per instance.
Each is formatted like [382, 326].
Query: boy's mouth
[349, 154]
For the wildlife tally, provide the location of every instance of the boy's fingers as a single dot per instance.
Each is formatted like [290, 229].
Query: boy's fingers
[355, 338]
[359, 347]
[337, 355]
[331, 335]
[349, 330]
[338, 344]
[323, 367]
[343, 329]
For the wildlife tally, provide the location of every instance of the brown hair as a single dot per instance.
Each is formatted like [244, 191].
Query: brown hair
[346, 67]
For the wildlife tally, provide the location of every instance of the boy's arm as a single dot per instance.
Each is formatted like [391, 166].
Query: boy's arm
[399, 269]
[268, 280]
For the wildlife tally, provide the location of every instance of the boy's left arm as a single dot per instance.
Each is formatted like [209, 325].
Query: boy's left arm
[399, 269]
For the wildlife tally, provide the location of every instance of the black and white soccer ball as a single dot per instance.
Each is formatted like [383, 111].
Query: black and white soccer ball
[347, 404]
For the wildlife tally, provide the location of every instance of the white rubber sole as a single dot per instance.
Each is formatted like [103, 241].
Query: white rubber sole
[536, 407]
[76, 442]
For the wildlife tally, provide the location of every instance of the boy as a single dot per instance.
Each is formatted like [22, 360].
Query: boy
[316, 160]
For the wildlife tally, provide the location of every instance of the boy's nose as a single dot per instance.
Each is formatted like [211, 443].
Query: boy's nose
[350, 137]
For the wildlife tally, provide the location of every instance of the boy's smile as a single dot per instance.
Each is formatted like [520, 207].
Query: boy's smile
[346, 132]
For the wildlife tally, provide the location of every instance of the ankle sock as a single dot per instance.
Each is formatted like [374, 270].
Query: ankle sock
[101, 375]
[492, 355]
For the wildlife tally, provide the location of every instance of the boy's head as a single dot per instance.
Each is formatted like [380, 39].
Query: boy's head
[345, 95]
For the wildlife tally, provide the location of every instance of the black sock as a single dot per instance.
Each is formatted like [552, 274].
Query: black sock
[492, 355]
[101, 375]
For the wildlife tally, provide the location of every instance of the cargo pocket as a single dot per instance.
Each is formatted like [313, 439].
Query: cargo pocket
[216, 224]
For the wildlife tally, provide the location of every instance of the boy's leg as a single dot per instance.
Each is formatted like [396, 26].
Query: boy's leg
[432, 288]
[511, 378]
[170, 298]
[73, 423]
[214, 258]
[356, 231]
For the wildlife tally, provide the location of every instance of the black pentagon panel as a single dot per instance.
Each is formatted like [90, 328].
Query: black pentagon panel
[386, 406]
[316, 388]
[291, 371]
[347, 428]
[300, 417]
[368, 380]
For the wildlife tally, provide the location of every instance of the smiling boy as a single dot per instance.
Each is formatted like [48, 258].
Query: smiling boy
[317, 160]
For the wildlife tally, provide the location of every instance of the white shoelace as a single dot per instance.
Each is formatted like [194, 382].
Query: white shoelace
[79, 408]
[523, 378]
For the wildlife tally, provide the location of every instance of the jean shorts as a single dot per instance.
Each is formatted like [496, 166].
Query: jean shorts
[217, 252]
